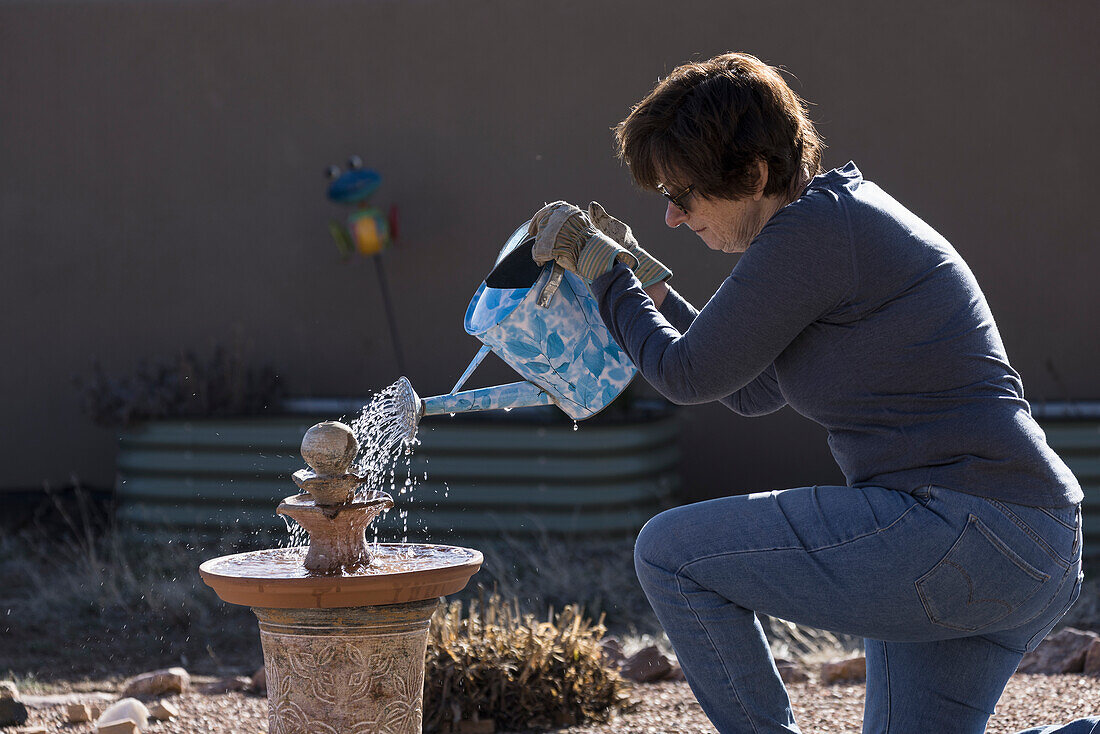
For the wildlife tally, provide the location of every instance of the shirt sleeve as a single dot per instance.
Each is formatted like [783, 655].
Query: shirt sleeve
[759, 397]
[790, 276]
[677, 310]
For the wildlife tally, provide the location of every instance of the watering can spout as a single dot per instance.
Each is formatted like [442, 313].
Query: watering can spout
[412, 407]
[520, 394]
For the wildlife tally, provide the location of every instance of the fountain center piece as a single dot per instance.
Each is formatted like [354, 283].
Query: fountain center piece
[343, 625]
[331, 509]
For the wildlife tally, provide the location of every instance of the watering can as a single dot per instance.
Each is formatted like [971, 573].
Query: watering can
[544, 322]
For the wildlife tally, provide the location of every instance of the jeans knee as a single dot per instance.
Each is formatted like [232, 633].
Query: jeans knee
[655, 547]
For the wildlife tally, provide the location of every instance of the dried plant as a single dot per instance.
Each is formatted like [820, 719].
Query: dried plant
[489, 661]
[183, 386]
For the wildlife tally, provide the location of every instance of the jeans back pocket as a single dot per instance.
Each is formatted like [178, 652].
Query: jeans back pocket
[979, 582]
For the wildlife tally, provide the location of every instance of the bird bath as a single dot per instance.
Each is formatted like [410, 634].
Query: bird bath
[343, 623]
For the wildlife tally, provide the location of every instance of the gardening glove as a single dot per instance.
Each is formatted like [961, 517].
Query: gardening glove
[564, 234]
[650, 270]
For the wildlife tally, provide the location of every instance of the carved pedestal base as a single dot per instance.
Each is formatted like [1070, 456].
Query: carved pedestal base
[352, 670]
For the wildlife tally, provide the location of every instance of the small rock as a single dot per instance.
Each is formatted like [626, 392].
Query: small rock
[646, 666]
[852, 669]
[258, 683]
[157, 683]
[228, 685]
[790, 671]
[119, 727]
[1062, 652]
[53, 700]
[676, 674]
[123, 710]
[12, 712]
[76, 713]
[612, 651]
[9, 690]
[1092, 659]
[163, 710]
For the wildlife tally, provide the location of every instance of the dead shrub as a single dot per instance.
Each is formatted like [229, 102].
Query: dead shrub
[489, 661]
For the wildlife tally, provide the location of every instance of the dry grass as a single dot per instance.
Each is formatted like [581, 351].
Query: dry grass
[79, 602]
[488, 660]
[544, 571]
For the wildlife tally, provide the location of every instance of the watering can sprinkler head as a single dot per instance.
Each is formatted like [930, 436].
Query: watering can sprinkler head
[410, 407]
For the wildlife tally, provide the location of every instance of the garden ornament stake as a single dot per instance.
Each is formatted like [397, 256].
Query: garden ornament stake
[368, 231]
[546, 325]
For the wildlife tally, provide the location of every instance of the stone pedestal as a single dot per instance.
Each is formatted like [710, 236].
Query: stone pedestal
[351, 670]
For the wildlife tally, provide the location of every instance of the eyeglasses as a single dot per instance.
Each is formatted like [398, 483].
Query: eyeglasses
[677, 201]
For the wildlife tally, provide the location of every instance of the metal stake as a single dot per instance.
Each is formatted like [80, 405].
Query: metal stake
[383, 285]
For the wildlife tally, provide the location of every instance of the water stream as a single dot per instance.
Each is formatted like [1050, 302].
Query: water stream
[387, 437]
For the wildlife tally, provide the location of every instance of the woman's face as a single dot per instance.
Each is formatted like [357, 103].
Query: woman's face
[726, 225]
[723, 224]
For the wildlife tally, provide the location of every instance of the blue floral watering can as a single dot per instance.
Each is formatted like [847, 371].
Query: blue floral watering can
[545, 323]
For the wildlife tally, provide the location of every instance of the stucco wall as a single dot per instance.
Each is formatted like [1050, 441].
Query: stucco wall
[161, 181]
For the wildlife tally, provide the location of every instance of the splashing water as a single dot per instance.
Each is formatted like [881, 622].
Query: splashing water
[386, 430]
[296, 534]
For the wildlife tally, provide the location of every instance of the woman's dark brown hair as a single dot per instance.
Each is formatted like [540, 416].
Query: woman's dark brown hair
[707, 124]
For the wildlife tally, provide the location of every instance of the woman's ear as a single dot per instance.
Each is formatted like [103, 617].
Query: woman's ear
[761, 179]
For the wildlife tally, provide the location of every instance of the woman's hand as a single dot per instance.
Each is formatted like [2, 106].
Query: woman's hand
[565, 234]
[650, 271]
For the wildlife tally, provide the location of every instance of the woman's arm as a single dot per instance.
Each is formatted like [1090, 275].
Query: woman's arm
[791, 275]
[759, 397]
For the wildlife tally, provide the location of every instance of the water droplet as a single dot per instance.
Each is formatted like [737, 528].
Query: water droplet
[575, 426]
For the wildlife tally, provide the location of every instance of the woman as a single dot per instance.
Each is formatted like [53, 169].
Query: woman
[955, 545]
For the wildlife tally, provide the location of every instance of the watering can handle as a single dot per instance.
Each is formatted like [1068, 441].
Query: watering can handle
[470, 369]
[551, 287]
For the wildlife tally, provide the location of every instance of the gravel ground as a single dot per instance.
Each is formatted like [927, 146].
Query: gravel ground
[666, 708]
[670, 708]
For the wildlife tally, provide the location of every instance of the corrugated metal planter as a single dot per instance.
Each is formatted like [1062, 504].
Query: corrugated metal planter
[1073, 431]
[484, 476]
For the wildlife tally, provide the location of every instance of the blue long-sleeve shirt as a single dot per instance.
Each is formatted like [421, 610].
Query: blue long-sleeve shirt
[861, 317]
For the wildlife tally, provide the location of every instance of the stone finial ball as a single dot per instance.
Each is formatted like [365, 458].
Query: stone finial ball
[329, 448]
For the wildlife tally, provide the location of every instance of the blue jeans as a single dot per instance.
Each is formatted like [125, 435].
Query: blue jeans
[949, 590]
